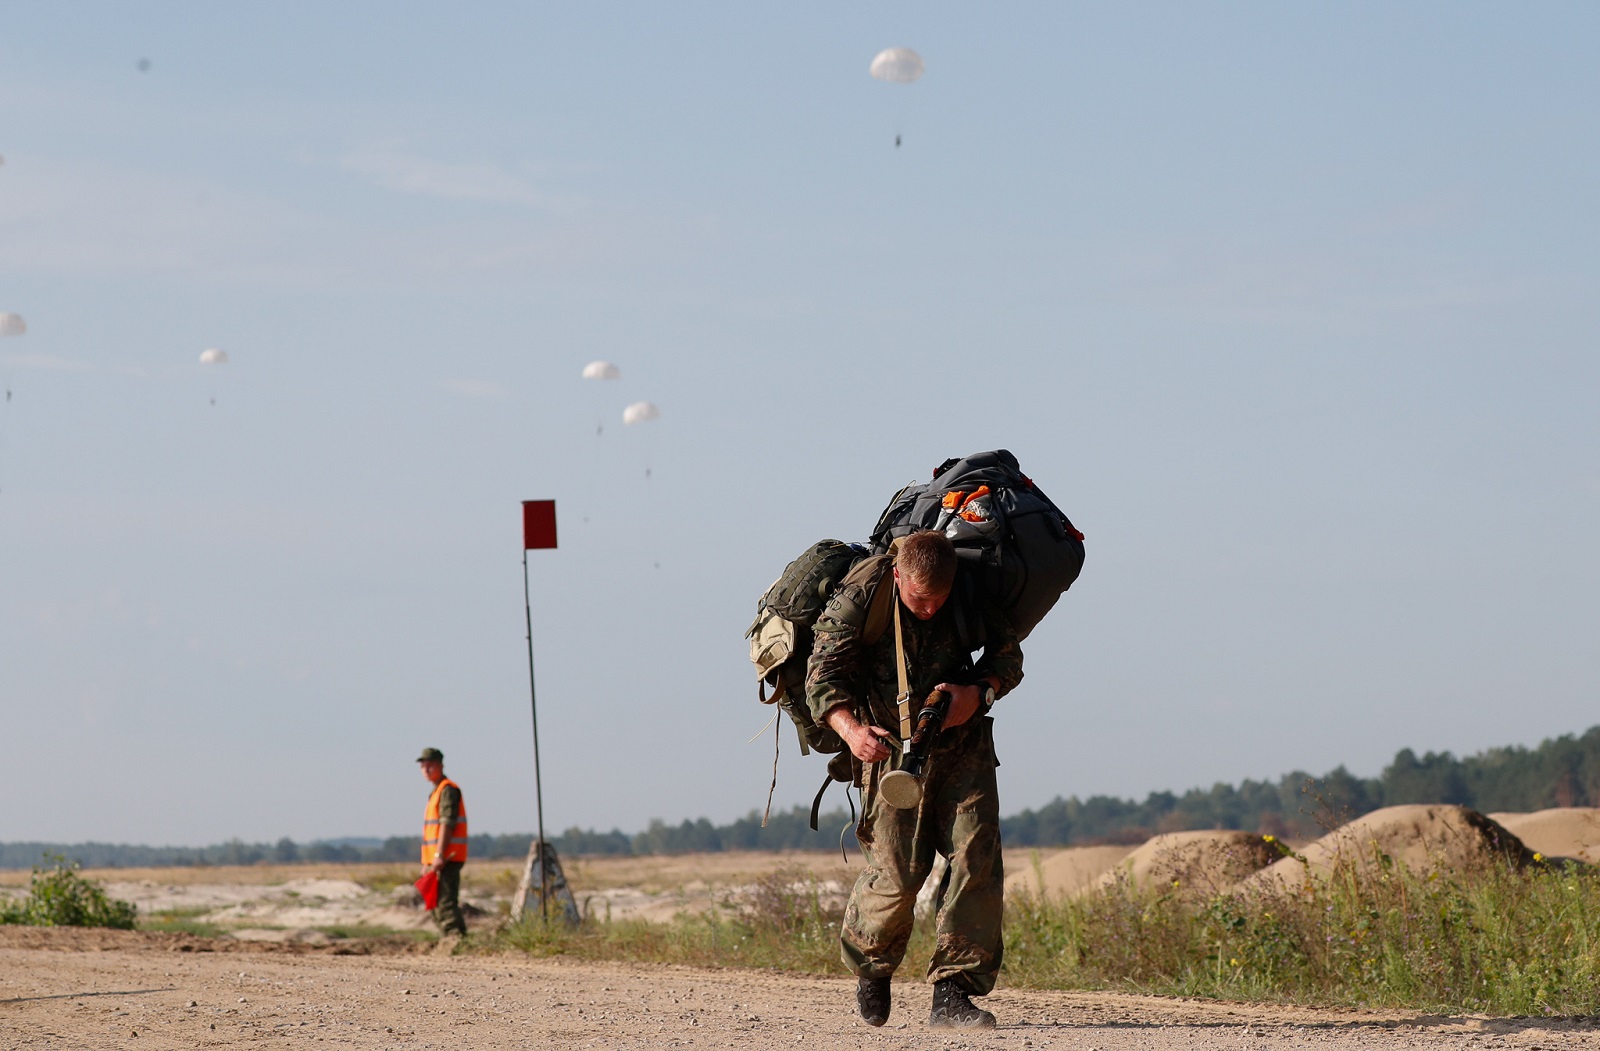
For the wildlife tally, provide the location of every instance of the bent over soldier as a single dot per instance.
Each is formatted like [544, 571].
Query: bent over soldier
[851, 686]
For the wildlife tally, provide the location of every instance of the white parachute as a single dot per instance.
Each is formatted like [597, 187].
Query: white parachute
[213, 356]
[601, 370]
[12, 325]
[897, 65]
[639, 412]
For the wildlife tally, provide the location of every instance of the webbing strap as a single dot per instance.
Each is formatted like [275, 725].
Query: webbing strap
[816, 804]
[777, 732]
[903, 701]
[846, 829]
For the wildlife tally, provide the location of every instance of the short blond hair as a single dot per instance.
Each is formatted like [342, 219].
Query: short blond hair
[928, 558]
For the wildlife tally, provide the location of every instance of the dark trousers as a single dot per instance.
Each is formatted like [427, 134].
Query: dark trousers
[447, 914]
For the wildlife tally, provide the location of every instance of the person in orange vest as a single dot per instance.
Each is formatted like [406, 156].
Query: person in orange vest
[444, 841]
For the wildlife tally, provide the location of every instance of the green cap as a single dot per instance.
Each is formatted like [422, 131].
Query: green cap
[432, 754]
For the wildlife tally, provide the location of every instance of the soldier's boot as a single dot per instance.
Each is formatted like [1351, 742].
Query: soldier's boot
[872, 1000]
[954, 1009]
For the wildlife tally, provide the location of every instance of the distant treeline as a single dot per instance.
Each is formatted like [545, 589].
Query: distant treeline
[785, 831]
[1560, 772]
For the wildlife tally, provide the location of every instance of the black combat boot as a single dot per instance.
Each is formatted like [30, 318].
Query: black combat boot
[954, 1009]
[872, 1000]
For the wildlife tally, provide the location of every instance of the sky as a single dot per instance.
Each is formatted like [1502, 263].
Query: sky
[1292, 308]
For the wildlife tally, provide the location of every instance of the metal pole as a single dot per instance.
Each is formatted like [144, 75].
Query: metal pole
[538, 792]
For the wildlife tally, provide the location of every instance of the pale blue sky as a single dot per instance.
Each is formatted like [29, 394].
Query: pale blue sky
[1292, 308]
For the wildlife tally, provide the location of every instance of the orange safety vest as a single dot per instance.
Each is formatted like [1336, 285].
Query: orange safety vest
[455, 842]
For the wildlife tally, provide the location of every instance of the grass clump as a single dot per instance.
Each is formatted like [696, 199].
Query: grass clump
[184, 920]
[59, 897]
[1485, 938]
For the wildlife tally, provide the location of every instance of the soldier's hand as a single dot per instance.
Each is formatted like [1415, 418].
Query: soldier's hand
[866, 743]
[964, 702]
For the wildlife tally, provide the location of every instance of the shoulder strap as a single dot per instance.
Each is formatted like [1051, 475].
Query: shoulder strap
[878, 613]
[903, 700]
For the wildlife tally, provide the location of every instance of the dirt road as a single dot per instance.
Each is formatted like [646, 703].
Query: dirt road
[133, 994]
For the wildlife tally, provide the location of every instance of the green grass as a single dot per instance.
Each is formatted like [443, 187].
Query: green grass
[1489, 939]
[59, 897]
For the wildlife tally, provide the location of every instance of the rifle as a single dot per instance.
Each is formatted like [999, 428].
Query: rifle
[902, 788]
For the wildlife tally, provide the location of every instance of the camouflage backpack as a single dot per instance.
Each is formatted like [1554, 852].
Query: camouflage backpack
[781, 639]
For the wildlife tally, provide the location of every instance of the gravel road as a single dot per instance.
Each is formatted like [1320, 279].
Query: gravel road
[127, 992]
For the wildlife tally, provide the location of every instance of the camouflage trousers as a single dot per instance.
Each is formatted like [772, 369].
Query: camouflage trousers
[959, 818]
[447, 914]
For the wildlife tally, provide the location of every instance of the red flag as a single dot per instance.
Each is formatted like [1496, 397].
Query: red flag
[428, 887]
[538, 524]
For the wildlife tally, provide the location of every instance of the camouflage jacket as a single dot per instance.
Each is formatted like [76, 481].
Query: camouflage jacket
[846, 669]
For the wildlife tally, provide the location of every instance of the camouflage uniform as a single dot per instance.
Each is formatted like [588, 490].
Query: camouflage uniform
[960, 812]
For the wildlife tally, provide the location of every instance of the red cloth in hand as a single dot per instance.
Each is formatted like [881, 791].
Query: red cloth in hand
[428, 887]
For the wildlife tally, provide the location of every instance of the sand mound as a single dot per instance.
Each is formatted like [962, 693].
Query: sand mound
[1065, 871]
[1564, 832]
[1423, 837]
[1202, 862]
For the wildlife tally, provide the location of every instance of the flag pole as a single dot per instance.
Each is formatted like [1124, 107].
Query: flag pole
[538, 790]
[538, 531]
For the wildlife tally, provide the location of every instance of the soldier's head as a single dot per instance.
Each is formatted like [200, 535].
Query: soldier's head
[925, 570]
[432, 762]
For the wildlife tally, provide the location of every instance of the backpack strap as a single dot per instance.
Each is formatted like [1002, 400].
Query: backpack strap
[816, 804]
[879, 611]
[842, 767]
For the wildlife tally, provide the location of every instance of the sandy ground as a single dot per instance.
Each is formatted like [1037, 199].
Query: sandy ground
[140, 994]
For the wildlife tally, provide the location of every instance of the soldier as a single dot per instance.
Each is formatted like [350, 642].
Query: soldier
[444, 841]
[851, 686]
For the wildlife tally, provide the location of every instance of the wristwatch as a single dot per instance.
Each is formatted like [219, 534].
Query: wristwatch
[988, 698]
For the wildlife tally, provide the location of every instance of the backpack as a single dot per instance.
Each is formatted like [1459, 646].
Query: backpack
[1022, 552]
[781, 641]
[780, 636]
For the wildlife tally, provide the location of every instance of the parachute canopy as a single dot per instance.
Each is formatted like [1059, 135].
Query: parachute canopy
[639, 412]
[213, 356]
[897, 65]
[601, 370]
[12, 325]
